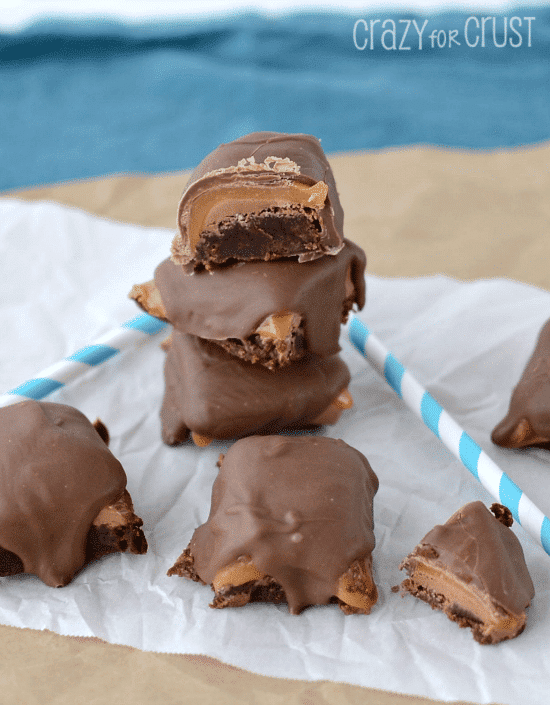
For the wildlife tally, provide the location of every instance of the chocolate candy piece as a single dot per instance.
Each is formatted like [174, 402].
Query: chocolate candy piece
[147, 296]
[527, 422]
[290, 521]
[263, 196]
[267, 312]
[220, 396]
[472, 568]
[62, 494]
[276, 342]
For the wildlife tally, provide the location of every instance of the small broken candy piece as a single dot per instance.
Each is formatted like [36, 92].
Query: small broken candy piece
[527, 422]
[201, 440]
[334, 410]
[148, 298]
[472, 568]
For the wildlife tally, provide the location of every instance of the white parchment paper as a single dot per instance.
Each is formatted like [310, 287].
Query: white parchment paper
[65, 279]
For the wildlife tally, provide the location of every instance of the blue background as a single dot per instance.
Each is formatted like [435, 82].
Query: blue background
[88, 98]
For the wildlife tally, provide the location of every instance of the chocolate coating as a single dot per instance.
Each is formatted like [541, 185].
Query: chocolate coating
[477, 551]
[56, 475]
[262, 230]
[220, 396]
[300, 507]
[232, 301]
[527, 422]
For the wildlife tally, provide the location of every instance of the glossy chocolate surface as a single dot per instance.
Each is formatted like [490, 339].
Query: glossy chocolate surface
[527, 422]
[215, 394]
[477, 571]
[231, 302]
[56, 474]
[300, 507]
[231, 176]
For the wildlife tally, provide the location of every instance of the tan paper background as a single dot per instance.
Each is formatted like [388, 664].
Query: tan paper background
[415, 211]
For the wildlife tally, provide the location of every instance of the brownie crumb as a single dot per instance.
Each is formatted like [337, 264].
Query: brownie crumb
[502, 513]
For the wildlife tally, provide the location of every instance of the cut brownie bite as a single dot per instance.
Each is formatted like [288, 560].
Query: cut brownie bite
[290, 522]
[263, 196]
[215, 395]
[63, 497]
[527, 422]
[472, 568]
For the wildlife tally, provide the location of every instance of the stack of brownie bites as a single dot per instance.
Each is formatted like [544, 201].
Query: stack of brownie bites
[257, 287]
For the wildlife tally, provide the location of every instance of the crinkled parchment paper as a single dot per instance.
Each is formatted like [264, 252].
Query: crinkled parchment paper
[65, 279]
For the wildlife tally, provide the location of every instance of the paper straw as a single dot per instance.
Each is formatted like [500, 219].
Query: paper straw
[485, 470]
[130, 334]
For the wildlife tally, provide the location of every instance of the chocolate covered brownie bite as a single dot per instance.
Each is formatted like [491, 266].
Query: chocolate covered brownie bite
[63, 497]
[271, 313]
[472, 568]
[527, 422]
[214, 395]
[291, 521]
[263, 196]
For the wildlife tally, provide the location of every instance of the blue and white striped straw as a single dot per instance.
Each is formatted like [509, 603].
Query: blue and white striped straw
[449, 432]
[130, 334]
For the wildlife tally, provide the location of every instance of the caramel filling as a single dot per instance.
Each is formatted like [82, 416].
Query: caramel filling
[344, 400]
[114, 514]
[238, 573]
[148, 297]
[243, 571]
[467, 598]
[200, 440]
[523, 435]
[334, 410]
[212, 206]
[348, 590]
[278, 326]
